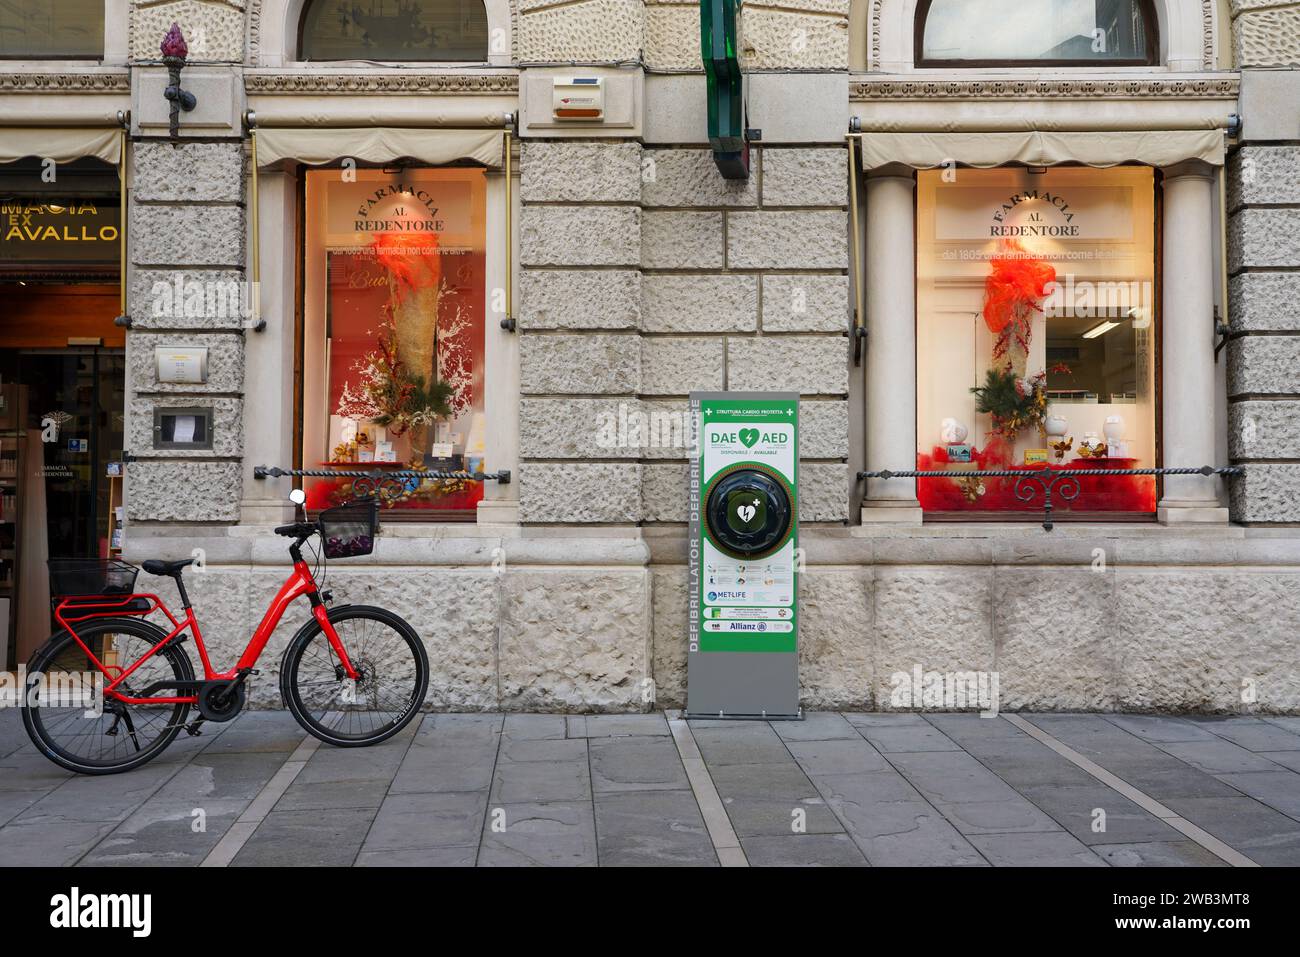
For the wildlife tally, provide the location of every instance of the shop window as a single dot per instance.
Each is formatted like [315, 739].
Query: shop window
[956, 33]
[52, 29]
[1036, 335]
[393, 334]
[446, 30]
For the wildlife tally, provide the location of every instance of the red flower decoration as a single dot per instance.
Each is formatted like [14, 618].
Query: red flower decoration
[1014, 288]
[174, 44]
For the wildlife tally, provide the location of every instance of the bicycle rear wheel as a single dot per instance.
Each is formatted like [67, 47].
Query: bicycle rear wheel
[61, 701]
[393, 677]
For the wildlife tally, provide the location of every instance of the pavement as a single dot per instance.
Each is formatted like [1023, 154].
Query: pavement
[1074, 790]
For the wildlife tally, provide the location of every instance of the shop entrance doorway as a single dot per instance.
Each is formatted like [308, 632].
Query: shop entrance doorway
[61, 440]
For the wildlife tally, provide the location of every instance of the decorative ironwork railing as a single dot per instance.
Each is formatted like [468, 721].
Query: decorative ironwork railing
[382, 483]
[1048, 479]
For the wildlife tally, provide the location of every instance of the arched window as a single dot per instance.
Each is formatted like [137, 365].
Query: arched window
[973, 33]
[52, 29]
[442, 30]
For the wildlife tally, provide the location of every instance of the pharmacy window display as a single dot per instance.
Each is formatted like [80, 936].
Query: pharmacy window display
[1036, 336]
[393, 337]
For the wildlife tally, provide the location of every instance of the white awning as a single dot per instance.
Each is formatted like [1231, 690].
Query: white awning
[61, 144]
[1039, 148]
[316, 146]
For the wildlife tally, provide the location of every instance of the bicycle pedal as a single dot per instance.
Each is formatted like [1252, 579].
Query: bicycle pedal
[193, 729]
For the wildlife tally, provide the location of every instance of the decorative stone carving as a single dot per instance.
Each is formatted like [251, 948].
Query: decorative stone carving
[1008, 89]
[65, 82]
[353, 84]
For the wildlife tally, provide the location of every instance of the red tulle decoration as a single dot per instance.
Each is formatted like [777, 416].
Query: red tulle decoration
[411, 258]
[1012, 293]
[1110, 493]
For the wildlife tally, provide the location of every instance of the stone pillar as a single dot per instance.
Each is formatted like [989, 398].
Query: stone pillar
[891, 345]
[500, 503]
[579, 346]
[1263, 256]
[269, 413]
[187, 256]
[1188, 345]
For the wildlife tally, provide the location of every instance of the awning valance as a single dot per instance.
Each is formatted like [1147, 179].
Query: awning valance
[61, 144]
[1039, 148]
[316, 146]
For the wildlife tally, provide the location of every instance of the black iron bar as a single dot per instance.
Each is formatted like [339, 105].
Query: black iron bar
[1047, 479]
[274, 471]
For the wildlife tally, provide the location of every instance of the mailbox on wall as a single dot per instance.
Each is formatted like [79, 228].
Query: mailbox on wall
[743, 658]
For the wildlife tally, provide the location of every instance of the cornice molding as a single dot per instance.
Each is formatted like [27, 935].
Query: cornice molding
[65, 82]
[1146, 88]
[354, 84]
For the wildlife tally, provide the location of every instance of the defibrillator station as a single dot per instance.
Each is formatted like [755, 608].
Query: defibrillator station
[743, 659]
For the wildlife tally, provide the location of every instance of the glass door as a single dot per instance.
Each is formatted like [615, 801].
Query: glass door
[75, 400]
[65, 424]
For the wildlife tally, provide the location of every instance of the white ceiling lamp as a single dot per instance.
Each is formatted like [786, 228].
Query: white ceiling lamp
[1100, 330]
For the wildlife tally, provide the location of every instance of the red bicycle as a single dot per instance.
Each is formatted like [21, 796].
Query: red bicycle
[110, 690]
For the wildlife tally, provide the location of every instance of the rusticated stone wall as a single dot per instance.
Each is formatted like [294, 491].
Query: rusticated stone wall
[583, 624]
[187, 255]
[532, 634]
[1265, 33]
[1264, 259]
[1205, 628]
[214, 29]
[646, 277]
[775, 35]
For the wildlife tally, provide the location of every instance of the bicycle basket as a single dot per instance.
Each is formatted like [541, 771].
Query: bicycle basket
[71, 577]
[349, 530]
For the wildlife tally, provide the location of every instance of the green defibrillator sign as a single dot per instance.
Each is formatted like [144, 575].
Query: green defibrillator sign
[743, 654]
[719, 46]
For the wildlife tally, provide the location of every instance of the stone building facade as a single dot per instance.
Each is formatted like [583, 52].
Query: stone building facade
[638, 275]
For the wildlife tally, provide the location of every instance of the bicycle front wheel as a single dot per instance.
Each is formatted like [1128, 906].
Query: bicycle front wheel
[76, 725]
[392, 677]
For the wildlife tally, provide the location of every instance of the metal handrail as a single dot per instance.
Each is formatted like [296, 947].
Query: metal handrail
[382, 482]
[274, 471]
[1047, 478]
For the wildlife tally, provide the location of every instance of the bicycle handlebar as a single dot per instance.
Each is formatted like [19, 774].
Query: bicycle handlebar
[297, 530]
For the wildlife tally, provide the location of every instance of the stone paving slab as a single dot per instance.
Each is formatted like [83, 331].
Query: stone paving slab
[1158, 854]
[550, 833]
[942, 789]
[429, 820]
[1120, 821]
[803, 850]
[12, 735]
[1052, 849]
[321, 838]
[652, 828]
[1254, 734]
[636, 764]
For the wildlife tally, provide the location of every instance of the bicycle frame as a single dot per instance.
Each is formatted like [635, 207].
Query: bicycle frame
[299, 583]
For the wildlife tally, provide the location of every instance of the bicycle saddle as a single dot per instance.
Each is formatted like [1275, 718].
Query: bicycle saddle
[155, 566]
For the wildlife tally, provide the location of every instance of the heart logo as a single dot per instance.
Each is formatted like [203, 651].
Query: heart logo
[748, 437]
[746, 513]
